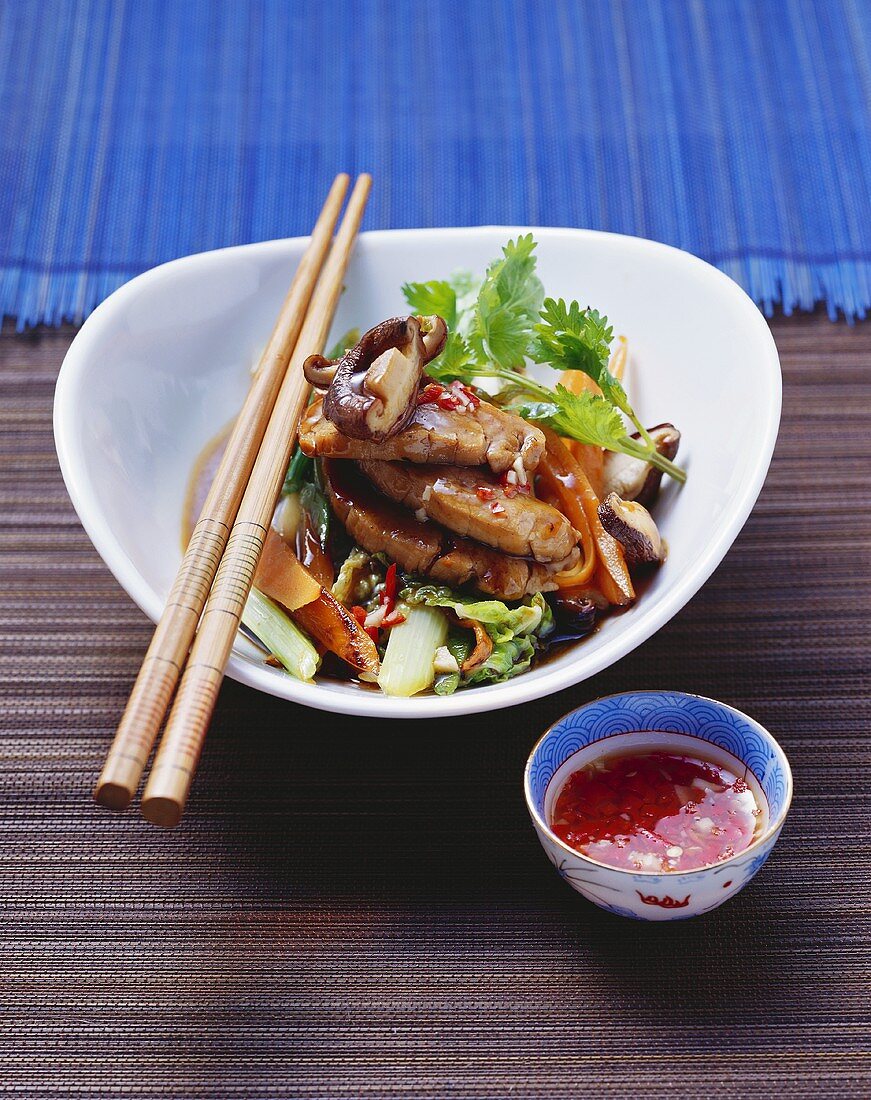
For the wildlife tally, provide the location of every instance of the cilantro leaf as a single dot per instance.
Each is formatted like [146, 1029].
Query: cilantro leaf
[464, 283]
[493, 332]
[571, 338]
[592, 419]
[437, 296]
[588, 418]
[507, 306]
[455, 361]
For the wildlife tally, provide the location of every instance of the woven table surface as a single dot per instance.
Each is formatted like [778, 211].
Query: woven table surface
[380, 920]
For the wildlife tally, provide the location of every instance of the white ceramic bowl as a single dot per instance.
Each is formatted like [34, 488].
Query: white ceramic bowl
[688, 723]
[164, 363]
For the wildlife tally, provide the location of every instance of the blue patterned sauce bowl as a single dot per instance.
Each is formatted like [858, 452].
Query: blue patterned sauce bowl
[621, 723]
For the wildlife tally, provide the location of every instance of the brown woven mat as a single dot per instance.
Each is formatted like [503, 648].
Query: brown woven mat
[374, 917]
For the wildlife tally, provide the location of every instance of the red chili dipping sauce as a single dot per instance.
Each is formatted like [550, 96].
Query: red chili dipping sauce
[656, 811]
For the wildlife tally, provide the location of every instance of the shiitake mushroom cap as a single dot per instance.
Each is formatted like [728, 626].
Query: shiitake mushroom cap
[633, 527]
[372, 388]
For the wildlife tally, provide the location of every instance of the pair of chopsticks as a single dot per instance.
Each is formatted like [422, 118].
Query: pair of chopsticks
[215, 576]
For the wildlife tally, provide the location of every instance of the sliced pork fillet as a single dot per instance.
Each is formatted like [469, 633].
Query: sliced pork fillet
[474, 504]
[481, 436]
[381, 526]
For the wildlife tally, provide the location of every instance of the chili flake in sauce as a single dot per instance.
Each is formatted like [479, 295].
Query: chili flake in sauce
[656, 811]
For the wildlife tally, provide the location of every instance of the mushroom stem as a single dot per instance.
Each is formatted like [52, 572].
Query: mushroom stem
[373, 387]
[633, 478]
[435, 334]
[483, 645]
[319, 371]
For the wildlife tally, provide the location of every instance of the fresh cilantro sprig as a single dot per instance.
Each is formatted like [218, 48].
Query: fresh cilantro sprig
[591, 419]
[455, 361]
[498, 324]
[584, 416]
[437, 296]
[571, 338]
[507, 308]
[494, 332]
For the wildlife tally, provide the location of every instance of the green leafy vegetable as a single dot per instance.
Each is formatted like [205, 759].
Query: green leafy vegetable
[517, 632]
[507, 306]
[498, 619]
[347, 583]
[590, 419]
[571, 338]
[280, 635]
[315, 503]
[508, 659]
[498, 329]
[455, 361]
[299, 472]
[409, 660]
[459, 645]
[437, 296]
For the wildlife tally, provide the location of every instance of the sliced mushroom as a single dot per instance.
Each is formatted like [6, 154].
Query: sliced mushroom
[633, 478]
[435, 335]
[373, 387]
[319, 371]
[574, 616]
[632, 526]
[483, 644]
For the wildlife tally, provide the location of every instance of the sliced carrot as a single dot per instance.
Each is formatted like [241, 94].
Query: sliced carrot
[336, 628]
[282, 576]
[592, 461]
[551, 490]
[592, 458]
[562, 477]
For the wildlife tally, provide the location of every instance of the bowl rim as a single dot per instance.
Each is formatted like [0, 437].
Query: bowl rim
[773, 826]
[482, 699]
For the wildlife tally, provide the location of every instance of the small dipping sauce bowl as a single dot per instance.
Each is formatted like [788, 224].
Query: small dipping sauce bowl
[669, 721]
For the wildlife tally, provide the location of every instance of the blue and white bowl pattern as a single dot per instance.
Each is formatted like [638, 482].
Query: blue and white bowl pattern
[671, 896]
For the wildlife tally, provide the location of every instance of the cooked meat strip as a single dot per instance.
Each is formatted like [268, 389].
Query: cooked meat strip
[473, 503]
[379, 525]
[484, 436]
[496, 574]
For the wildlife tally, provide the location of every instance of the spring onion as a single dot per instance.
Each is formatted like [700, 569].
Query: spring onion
[280, 635]
[409, 660]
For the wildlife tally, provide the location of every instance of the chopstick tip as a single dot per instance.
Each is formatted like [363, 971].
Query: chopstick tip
[161, 811]
[114, 796]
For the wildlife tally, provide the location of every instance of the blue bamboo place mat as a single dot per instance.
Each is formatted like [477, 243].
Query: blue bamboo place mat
[135, 131]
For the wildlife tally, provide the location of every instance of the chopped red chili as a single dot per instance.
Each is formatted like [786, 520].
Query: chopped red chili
[390, 586]
[458, 396]
[430, 393]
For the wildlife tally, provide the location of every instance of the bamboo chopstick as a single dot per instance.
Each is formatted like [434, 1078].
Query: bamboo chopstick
[172, 638]
[173, 770]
